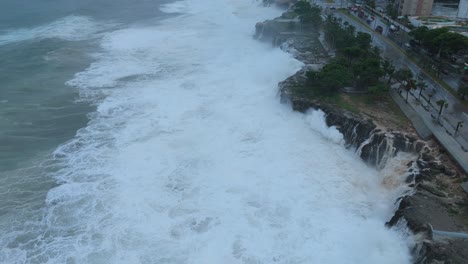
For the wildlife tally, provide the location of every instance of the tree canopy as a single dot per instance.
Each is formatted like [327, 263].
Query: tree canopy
[308, 14]
[357, 63]
[440, 40]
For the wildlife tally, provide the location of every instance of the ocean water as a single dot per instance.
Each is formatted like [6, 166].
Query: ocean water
[151, 132]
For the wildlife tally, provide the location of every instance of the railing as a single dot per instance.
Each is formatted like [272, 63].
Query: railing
[443, 121]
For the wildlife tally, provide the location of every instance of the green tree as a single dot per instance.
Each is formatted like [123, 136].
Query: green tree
[313, 16]
[367, 72]
[352, 54]
[308, 14]
[388, 69]
[363, 40]
[391, 11]
[419, 33]
[439, 40]
[378, 90]
[442, 103]
[422, 85]
[329, 79]
[403, 76]
[302, 7]
[371, 3]
[450, 42]
[463, 91]
[410, 85]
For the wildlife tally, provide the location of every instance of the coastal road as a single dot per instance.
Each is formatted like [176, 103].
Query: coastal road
[443, 127]
[456, 110]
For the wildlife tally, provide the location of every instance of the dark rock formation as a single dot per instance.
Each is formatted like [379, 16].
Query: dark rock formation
[373, 145]
[420, 209]
[289, 34]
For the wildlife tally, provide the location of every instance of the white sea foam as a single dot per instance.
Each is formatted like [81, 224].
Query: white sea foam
[194, 160]
[316, 120]
[71, 28]
[176, 7]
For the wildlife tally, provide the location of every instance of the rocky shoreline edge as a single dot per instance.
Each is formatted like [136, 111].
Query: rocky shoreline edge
[437, 201]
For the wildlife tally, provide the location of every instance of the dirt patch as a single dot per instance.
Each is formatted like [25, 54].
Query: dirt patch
[383, 111]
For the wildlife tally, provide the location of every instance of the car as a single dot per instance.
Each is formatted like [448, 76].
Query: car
[407, 46]
[379, 29]
[465, 78]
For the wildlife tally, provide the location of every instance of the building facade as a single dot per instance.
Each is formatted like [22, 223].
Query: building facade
[463, 9]
[416, 7]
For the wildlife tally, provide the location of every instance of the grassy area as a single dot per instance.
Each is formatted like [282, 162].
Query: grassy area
[340, 101]
[382, 109]
[379, 108]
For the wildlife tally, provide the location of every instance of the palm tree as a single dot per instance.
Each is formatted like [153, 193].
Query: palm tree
[430, 97]
[422, 85]
[403, 76]
[409, 85]
[442, 103]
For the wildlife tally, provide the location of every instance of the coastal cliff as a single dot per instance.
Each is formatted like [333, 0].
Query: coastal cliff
[436, 200]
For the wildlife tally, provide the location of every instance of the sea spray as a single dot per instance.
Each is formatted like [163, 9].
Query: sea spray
[191, 158]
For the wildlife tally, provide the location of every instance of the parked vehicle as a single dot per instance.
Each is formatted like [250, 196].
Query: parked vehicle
[379, 29]
[362, 14]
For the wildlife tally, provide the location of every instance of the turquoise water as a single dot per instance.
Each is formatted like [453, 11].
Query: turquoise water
[37, 110]
[43, 44]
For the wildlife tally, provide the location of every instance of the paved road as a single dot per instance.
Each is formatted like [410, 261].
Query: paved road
[456, 110]
[442, 127]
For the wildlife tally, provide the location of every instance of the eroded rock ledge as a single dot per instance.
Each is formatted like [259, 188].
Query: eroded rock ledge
[374, 144]
[437, 201]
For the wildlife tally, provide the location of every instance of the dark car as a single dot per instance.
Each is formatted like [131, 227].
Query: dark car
[379, 29]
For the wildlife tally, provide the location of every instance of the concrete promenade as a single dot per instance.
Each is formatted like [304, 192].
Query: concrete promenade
[423, 131]
[432, 122]
[443, 128]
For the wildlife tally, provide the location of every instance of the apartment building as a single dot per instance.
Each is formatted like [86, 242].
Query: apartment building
[463, 9]
[416, 7]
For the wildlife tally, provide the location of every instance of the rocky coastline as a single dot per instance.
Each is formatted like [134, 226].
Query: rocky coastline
[437, 202]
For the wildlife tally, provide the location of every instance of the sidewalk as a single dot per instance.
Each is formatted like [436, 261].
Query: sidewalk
[423, 131]
[453, 147]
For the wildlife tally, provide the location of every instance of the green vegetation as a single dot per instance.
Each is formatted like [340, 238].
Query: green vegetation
[422, 85]
[389, 70]
[357, 64]
[308, 14]
[440, 41]
[378, 91]
[391, 11]
[463, 91]
[441, 103]
[330, 78]
[370, 3]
